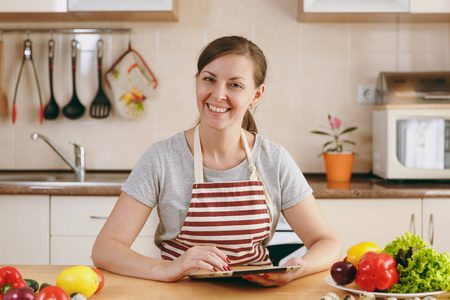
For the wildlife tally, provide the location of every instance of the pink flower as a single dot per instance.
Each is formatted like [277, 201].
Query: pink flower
[335, 123]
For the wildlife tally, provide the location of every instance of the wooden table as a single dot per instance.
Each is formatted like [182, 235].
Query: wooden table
[121, 287]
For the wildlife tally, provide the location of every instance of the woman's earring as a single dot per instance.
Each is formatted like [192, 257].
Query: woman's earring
[252, 107]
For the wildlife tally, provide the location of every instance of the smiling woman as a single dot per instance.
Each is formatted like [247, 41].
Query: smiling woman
[220, 187]
[225, 90]
[241, 49]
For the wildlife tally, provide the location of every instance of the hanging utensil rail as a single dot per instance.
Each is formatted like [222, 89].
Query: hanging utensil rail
[66, 30]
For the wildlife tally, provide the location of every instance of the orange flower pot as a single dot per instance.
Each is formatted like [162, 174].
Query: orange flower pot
[339, 166]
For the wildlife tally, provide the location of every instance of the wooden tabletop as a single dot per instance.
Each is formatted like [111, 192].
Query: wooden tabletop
[122, 287]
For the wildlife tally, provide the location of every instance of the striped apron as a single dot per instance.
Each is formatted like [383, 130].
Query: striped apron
[233, 216]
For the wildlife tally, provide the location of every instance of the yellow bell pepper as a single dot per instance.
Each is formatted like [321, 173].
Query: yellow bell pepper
[355, 252]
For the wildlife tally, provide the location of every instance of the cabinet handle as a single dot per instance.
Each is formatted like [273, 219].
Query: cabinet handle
[431, 230]
[412, 225]
[99, 217]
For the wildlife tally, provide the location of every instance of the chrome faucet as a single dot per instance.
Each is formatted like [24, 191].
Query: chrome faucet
[80, 155]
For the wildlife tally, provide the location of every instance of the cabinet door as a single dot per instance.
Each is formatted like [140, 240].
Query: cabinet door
[86, 215]
[24, 227]
[26, 6]
[430, 6]
[436, 222]
[77, 220]
[77, 250]
[119, 5]
[355, 6]
[372, 220]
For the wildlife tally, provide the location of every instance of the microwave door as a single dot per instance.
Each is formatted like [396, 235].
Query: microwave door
[421, 143]
[447, 145]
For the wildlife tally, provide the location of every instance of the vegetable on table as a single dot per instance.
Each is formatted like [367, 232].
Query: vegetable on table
[10, 275]
[78, 279]
[32, 284]
[376, 271]
[343, 272]
[22, 293]
[43, 285]
[355, 252]
[52, 292]
[421, 268]
[101, 279]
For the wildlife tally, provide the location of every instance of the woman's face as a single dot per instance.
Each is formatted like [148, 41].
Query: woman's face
[225, 88]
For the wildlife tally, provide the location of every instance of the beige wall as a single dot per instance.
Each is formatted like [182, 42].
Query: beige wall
[315, 69]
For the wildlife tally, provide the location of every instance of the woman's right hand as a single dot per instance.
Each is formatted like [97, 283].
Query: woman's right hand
[198, 257]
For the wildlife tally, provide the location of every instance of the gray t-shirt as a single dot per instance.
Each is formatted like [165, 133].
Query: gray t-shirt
[164, 176]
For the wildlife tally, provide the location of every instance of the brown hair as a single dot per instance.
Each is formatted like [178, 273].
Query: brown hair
[237, 45]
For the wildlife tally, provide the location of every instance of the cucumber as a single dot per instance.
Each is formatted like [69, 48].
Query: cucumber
[44, 285]
[33, 284]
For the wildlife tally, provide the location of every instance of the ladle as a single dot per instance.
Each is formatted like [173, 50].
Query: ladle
[3, 97]
[74, 109]
[51, 110]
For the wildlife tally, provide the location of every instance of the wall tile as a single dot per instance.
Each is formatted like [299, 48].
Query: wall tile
[373, 37]
[314, 69]
[422, 37]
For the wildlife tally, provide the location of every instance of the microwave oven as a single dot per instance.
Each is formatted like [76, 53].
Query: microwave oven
[411, 125]
[411, 142]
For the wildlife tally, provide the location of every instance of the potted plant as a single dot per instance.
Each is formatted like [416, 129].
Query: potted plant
[338, 163]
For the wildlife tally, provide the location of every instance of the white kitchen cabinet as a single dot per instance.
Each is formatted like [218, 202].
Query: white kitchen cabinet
[355, 6]
[24, 229]
[430, 6]
[436, 223]
[372, 220]
[76, 222]
[88, 10]
[119, 5]
[33, 6]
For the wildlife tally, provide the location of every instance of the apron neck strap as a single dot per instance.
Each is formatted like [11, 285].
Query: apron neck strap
[198, 156]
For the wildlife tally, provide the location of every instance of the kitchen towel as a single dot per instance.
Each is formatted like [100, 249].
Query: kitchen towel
[131, 82]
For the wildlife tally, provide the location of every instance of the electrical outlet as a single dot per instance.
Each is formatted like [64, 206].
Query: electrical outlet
[366, 93]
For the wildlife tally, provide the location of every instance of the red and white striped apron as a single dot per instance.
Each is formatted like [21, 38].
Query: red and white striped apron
[233, 216]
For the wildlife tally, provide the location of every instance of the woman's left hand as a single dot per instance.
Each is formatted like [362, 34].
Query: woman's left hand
[277, 279]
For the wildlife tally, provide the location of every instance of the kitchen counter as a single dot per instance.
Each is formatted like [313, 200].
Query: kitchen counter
[121, 287]
[110, 183]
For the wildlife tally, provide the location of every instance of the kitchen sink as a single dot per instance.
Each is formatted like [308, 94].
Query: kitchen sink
[63, 178]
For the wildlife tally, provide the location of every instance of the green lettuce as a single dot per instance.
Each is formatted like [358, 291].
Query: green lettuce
[425, 271]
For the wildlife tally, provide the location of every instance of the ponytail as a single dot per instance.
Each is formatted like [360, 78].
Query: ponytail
[248, 123]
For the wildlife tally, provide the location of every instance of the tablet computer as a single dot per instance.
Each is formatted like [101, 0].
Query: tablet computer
[241, 271]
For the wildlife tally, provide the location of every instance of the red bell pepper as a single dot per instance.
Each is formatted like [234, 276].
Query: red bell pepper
[376, 271]
[12, 276]
[52, 292]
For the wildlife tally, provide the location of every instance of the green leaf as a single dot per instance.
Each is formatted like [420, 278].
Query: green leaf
[426, 270]
[349, 142]
[350, 129]
[320, 132]
[326, 144]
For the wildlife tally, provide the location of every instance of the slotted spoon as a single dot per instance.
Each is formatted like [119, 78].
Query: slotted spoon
[3, 97]
[100, 106]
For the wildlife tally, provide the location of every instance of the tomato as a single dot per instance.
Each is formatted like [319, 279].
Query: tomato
[52, 292]
[101, 279]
